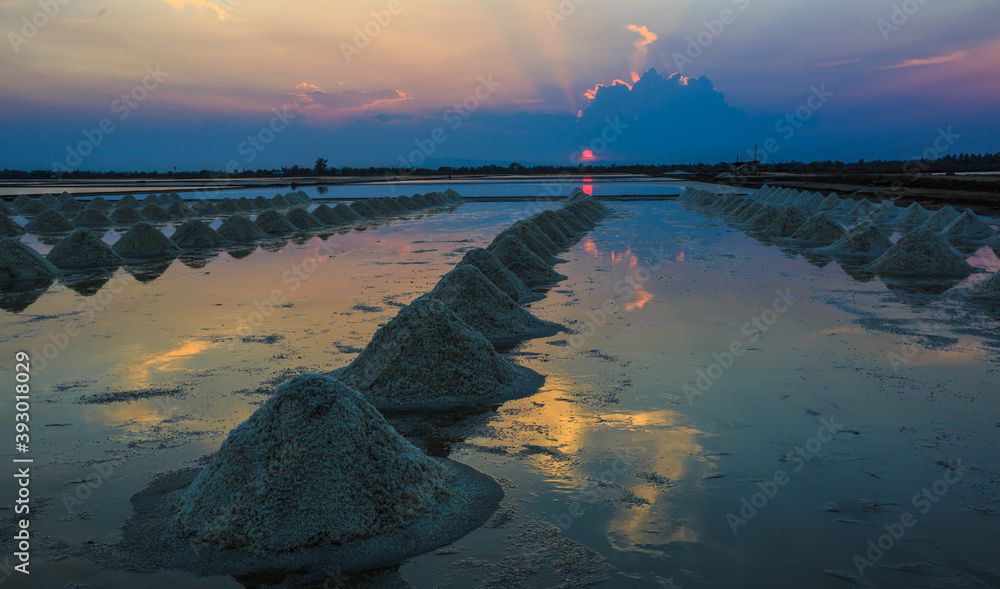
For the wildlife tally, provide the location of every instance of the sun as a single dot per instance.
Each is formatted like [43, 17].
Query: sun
[588, 154]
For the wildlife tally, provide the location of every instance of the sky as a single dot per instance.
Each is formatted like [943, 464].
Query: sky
[247, 84]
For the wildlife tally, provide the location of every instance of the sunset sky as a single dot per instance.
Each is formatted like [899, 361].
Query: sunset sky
[537, 79]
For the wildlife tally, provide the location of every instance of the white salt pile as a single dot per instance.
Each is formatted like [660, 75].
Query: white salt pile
[6, 209]
[327, 216]
[764, 217]
[143, 240]
[847, 205]
[49, 221]
[126, 215]
[422, 200]
[129, 201]
[49, 200]
[21, 200]
[20, 262]
[830, 203]
[515, 255]
[315, 465]
[228, 205]
[34, 207]
[734, 204]
[92, 218]
[749, 211]
[820, 228]
[484, 307]
[560, 224]
[245, 204]
[274, 223]
[302, 218]
[362, 209]
[988, 289]
[154, 212]
[8, 228]
[528, 238]
[196, 234]
[279, 201]
[347, 212]
[205, 208]
[426, 357]
[913, 215]
[379, 207]
[921, 252]
[453, 195]
[942, 218]
[550, 229]
[261, 202]
[572, 221]
[497, 273]
[863, 208]
[407, 203]
[70, 206]
[83, 249]
[180, 210]
[393, 205]
[538, 234]
[100, 203]
[587, 215]
[239, 228]
[865, 240]
[969, 225]
[787, 223]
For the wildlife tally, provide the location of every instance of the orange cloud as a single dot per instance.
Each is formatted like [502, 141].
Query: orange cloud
[637, 59]
[219, 11]
[592, 93]
[310, 97]
[929, 60]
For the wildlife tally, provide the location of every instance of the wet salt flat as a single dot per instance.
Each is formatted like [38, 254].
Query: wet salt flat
[728, 412]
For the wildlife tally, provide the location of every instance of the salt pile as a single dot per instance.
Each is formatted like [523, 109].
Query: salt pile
[196, 234]
[559, 223]
[274, 223]
[154, 212]
[20, 262]
[484, 307]
[988, 289]
[8, 228]
[83, 249]
[421, 200]
[5, 208]
[99, 203]
[847, 205]
[34, 207]
[787, 223]
[426, 357]
[143, 240]
[180, 210]
[572, 220]
[865, 240]
[526, 236]
[362, 209]
[126, 215]
[820, 228]
[302, 219]
[453, 195]
[92, 218]
[347, 212]
[393, 205]
[70, 206]
[913, 215]
[749, 211]
[245, 203]
[279, 201]
[764, 217]
[734, 204]
[327, 216]
[830, 203]
[228, 205]
[239, 228]
[921, 251]
[538, 234]
[550, 229]
[129, 201]
[260, 202]
[49, 221]
[942, 218]
[21, 200]
[49, 200]
[408, 203]
[863, 208]
[205, 208]
[968, 224]
[379, 207]
[589, 216]
[520, 260]
[497, 273]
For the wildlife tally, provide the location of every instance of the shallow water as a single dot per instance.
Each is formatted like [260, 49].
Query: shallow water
[613, 451]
